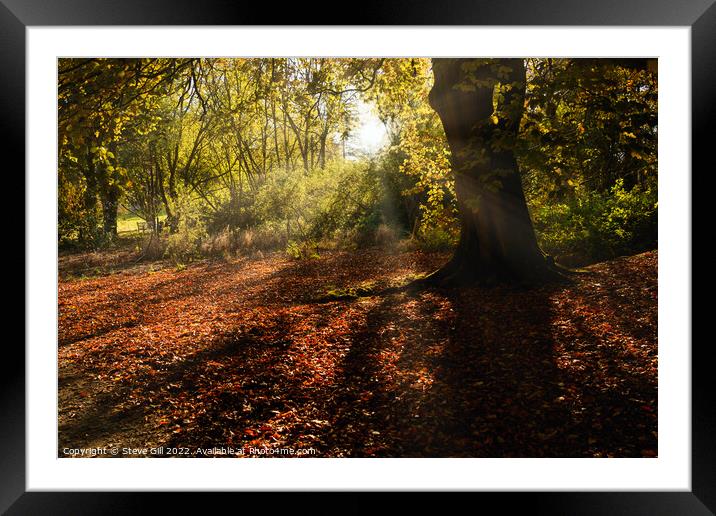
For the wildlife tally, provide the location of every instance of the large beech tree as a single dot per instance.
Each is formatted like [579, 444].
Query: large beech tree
[480, 103]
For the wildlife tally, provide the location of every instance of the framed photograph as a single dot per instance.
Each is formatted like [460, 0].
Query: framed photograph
[413, 252]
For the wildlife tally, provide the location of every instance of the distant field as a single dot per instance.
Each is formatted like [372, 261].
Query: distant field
[128, 222]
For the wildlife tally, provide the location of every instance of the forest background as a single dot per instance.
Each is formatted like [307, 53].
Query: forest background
[187, 158]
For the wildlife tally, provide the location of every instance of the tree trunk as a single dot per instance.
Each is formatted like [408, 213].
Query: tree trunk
[322, 149]
[497, 240]
[110, 203]
[172, 218]
[89, 230]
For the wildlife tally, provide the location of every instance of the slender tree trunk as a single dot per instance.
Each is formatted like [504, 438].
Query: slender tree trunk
[89, 199]
[172, 218]
[110, 203]
[497, 240]
[172, 163]
[286, 152]
[275, 132]
[322, 149]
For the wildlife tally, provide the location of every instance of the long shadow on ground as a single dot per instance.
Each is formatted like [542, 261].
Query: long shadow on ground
[475, 378]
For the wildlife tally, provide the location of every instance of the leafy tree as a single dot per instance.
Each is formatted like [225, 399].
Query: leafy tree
[480, 103]
[97, 100]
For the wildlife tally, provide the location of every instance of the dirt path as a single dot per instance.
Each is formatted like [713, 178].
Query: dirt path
[239, 355]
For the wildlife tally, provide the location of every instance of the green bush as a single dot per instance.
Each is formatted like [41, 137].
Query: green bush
[435, 238]
[594, 226]
[185, 244]
[188, 241]
[302, 250]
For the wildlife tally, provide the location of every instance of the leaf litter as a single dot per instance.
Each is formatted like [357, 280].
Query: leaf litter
[239, 353]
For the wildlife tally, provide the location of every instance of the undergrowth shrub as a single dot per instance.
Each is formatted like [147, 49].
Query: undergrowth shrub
[434, 238]
[386, 236]
[348, 205]
[596, 226]
[302, 250]
[186, 244]
[153, 248]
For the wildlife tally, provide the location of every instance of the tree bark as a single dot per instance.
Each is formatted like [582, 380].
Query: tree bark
[88, 231]
[110, 203]
[480, 103]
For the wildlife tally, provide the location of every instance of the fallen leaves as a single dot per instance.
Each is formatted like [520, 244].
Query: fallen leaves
[239, 353]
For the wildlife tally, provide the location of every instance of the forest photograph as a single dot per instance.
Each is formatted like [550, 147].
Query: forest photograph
[323, 257]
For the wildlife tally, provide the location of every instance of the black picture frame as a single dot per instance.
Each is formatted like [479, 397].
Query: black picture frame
[700, 15]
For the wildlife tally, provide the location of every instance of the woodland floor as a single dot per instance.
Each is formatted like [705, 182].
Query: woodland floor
[240, 354]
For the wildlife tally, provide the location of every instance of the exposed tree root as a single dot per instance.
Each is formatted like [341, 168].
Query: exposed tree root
[455, 273]
[459, 272]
